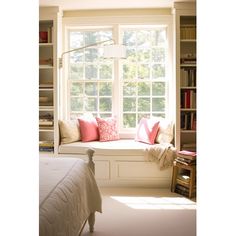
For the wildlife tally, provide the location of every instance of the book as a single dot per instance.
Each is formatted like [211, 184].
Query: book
[187, 154]
[186, 160]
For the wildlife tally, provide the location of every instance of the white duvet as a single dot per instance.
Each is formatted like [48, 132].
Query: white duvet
[68, 193]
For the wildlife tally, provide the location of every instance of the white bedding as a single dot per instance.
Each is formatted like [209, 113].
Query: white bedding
[68, 194]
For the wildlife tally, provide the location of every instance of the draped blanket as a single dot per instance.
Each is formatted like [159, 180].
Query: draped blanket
[164, 154]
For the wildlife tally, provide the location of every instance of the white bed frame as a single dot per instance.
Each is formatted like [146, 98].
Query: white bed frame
[91, 218]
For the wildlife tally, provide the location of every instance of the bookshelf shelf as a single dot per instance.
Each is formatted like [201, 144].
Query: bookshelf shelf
[188, 40]
[45, 44]
[188, 131]
[188, 65]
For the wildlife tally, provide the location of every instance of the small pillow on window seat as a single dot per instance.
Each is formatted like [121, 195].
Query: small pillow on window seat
[69, 131]
[108, 130]
[166, 133]
[88, 129]
[147, 131]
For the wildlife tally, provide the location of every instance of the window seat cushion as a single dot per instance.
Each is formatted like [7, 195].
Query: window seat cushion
[126, 147]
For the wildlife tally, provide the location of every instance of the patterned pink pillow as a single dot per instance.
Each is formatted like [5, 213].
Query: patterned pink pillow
[107, 129]
[88, 129]
[147, 130]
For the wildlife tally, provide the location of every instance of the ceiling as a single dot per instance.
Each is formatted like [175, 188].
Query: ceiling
[109, 4]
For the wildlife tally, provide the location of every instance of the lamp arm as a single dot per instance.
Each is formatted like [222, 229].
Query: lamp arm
[77, 49]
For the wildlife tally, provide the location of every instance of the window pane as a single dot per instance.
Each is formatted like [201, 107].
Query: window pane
[158, 55]
[105, 72]
[129, 89]
[158, 115]
[129, 38]
[144, 104]
[129, 120]
[144, 89]
[143, 55]
[90, 104]
[76, 40]
[141, 115]
[143, 72]
[105, 115]
[159, 37]
[105, 104]
[105, 89]
[129, 104]
[76, 104]
[144, 38]
[131, 55]
[129, 71]
[158, 104]
[158, 88]
[158, 71]
[76, 71]
[76, 89]
[91, 37]
[91, 89]
[91, 54]
[90, 72]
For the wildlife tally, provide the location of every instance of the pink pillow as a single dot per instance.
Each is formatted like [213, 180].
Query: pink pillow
[107, 129]
[88, 129]
[147, 130]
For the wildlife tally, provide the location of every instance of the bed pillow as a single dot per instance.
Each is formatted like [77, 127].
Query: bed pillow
[107, 129]
[147, 131]
[88, 129]
[166, 133]
[69, 131]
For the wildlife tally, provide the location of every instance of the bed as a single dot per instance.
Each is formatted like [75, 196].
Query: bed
[68, 195]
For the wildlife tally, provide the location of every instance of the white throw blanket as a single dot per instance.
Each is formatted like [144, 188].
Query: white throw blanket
[164, 154]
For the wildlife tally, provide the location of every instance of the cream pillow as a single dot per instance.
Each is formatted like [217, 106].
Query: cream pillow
[69, 131]
[165, 134]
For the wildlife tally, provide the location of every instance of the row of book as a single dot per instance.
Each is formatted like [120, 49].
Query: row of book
[188, 31]
[188, 98]
[188, 121]
[46, 120]
[183, 190]
[46, 146]
[188, 58]
[188, 77]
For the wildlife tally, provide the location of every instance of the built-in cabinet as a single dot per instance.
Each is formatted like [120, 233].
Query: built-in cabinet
[48, 127]
[186, 76]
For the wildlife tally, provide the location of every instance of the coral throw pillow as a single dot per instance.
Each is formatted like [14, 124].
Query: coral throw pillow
[147, 130]
[107, 129]
[88, 129]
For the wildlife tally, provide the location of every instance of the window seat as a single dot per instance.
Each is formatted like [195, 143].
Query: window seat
[121, 163]
[124, 147]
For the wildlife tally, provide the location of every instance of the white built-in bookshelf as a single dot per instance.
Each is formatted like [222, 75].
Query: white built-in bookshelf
[48, 80]
[186, 76]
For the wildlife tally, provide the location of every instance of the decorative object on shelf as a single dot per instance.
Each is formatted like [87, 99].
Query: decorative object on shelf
[43, 37]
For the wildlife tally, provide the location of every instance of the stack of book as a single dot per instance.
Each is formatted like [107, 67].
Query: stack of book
[46, 146]
[186, 157]
[46, 120]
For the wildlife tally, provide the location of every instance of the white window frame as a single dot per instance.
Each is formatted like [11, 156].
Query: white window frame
[115, 22]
